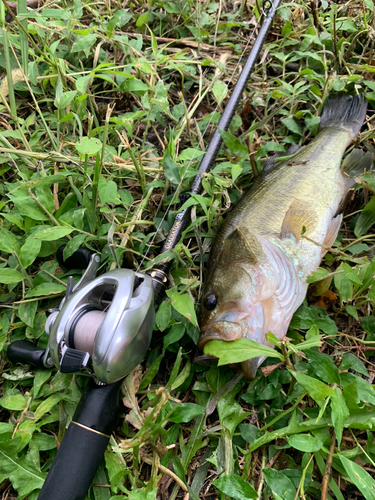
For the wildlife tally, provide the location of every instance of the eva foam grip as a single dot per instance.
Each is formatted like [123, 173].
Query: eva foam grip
[23, 351]
[84, 444]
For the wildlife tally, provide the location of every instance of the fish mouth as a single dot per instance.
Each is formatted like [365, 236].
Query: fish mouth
[220, 330]
[207, 336]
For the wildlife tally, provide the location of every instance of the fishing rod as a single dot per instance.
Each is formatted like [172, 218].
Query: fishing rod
[160, 272]
[103, 328]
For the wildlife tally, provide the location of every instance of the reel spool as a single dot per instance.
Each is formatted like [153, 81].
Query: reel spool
[103, 326]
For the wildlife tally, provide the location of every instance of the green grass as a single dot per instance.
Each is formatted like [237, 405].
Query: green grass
[95, 143]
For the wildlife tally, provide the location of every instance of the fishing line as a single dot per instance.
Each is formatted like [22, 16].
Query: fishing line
[267, 5]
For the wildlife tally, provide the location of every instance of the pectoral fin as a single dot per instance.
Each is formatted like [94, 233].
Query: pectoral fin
[300, 219]
[241, 245]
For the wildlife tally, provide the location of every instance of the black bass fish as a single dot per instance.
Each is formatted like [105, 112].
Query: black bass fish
[277, 234]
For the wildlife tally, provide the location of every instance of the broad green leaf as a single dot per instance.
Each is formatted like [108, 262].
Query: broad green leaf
[234, 145]
[235, 487]
[292, 125]
[366, 219]
[236, 171]
[190, 154]
[171, 169]
[312, 341]
[44, 442]
[151, 373]
[315, 388]
[41, 376]
[5, 427]
[134, 85]
[239, 350]
[81, 83]
[323, 366]
[29, 252]
[27, 312]
[185, 412]
[352, 310]
[142, 19]
[175, 333]
[47, 405]
[8, 241]
[343, 284]
[15, 402]
[52, 233]
[10, 276]
[273, 339]
[340, 413]
[183, 303]
[249, 432]
[280, 484]
[350, 361]
[306, 317]
[163, 315]
[74, 244]
[120, 18]
[362, 479]
[45, 289]
[83, 43]
[366, 391]
[65, 99]
[317, 275]
[182, 376]
[22, 472]
[28, 207]
[87, 146]
[108, 191]
[305, 442]
[220, 91]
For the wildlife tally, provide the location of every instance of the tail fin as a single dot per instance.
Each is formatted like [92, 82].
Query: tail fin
[344, 111]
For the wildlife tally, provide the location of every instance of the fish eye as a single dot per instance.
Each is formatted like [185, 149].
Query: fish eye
[210, 302]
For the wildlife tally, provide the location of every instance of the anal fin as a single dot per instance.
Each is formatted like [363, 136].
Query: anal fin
[299, 219]
[332, 233]
[354, 165]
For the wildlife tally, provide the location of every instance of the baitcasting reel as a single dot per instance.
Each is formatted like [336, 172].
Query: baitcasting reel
[103, 325]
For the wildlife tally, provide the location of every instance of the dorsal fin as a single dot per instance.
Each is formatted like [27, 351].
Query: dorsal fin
[272, 163]
[299, 219]
[241, 244]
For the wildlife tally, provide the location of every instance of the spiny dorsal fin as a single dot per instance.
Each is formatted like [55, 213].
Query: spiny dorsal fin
[299, 215]
[272, 163]
[241, 244]
[355, 164]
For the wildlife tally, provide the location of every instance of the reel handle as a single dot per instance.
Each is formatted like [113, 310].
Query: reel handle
[22, 351]
[84, 444]
[80, 259]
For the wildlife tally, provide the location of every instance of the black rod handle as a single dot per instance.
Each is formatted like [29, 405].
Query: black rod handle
[84, 444]
[22, 351]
